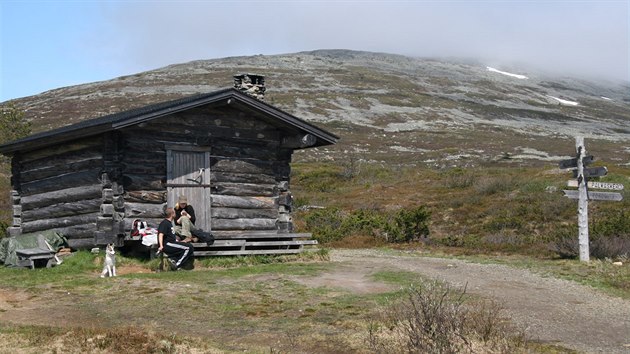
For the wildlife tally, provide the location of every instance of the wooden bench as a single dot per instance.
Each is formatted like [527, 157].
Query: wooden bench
[253, 243]
[30, 257]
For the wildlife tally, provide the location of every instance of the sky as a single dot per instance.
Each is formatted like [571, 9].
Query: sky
[51, 44]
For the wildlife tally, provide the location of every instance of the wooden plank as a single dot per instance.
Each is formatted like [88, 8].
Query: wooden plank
[597, 185]
[572, 163]
[221, 243]
[247, 252]
[610, 196]
[258, 235]
[68, 195]
[592, 172]
[281, 243]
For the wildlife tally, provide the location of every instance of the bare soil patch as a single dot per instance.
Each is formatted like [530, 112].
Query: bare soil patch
[552, 310]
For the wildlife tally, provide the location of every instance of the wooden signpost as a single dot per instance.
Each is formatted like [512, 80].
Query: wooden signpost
[582, 194]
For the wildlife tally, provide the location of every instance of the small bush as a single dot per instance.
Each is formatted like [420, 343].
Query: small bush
[610, 247]
[436, 318]
[409, 225]
[459, 178]
[493, 185]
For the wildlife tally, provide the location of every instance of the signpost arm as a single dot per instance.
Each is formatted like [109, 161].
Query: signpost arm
[582, 201]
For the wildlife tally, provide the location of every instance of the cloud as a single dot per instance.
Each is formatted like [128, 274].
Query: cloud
[578, 38]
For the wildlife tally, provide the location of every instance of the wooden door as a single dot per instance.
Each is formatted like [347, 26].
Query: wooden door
[188, 173]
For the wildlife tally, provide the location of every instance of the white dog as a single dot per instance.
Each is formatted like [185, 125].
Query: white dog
[109, 267]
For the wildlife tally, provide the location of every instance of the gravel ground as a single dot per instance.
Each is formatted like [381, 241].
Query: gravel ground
[551, 310]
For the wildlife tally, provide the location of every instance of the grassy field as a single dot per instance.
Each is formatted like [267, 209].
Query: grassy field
[265, 306]
[500, 213]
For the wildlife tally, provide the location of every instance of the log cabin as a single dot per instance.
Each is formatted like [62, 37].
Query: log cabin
[227, 151]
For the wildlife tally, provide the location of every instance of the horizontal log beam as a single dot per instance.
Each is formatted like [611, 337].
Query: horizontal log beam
[144, 182]
[92, 142]
[144, 210]
[62, 209]
[68, 180]
[243, 224]
[48, 224]
[230, 201]
[244, 189]
[154, 197]
[236, 213]
[78, 231]
[218, 177]
[62, 195]
[82, 243]
[60, 168]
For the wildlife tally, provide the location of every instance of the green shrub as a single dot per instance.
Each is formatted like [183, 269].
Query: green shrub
[325, 224]
[409, 225]
[333, 224]
[459, 178]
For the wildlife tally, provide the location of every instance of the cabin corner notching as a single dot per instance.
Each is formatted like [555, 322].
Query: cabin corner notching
[229, 153]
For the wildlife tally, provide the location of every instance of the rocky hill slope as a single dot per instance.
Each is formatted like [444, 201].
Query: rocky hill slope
[388, 107]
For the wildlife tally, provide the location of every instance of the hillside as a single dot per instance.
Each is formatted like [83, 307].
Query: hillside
[387, 107]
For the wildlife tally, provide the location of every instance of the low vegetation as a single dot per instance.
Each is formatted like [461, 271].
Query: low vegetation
[517, 210]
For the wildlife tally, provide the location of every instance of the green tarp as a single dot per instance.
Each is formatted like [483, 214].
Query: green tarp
[9, 245]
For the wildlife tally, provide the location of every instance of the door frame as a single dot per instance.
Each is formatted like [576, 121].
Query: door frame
[204, 212]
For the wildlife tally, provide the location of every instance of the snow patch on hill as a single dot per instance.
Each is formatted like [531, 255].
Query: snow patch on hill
[518, 76]
[564, 102]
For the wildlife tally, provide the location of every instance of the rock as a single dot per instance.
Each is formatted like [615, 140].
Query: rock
[617, 263]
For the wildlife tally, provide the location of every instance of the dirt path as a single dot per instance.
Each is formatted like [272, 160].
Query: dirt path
[552, 310]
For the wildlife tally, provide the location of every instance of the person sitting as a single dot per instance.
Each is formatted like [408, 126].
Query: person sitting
[179, 252]
[184, 219]
[185, 223]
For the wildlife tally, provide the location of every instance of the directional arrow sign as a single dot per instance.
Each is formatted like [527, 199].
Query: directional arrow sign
[597, 185]
[572, 163]
[571, 194]
[593, 172]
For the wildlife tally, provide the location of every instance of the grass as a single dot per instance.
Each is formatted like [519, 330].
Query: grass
[254, 307]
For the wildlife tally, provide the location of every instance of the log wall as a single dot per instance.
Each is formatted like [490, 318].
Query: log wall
[91, 189]
[59, 188]
[248, 167]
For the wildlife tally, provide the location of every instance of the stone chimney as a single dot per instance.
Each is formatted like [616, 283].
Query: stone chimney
[251, 84]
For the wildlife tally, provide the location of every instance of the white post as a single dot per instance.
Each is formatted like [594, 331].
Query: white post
[582, 201]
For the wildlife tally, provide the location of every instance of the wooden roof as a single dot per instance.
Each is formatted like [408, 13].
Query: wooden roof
[136, 116]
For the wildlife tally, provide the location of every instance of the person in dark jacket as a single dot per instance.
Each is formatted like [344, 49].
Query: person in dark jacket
[185, 224]
[184, 219]
[179, 252]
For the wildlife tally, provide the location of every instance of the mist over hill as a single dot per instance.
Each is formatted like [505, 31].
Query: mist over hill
[388, 108]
